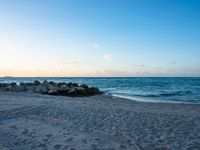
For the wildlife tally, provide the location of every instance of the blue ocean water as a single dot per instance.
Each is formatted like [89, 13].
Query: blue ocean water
[155, 89]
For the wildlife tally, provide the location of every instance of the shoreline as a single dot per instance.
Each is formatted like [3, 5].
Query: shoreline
[36, 121]
[146, 100]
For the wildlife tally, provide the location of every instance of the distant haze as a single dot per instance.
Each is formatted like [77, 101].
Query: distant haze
[99, 38]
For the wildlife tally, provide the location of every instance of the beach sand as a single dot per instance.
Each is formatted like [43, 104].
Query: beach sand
[33, 121]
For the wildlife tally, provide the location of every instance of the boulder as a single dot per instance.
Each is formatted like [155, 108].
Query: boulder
[93, 91]
[84, 86]
[3, 86]
[29, 84]
[22, 84]
[64, 88]
[80, 91]
[70, 84]
[19, 88]
[41, 89]
[61, 83]
[9, 87]
[37, 82]
[30, 88]
[51, 87]
[72, 92]
[53, 90]
[53, 83]
[45, 83]
[74, 85]
[13, 84]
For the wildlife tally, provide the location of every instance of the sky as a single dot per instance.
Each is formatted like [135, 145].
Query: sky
[86, 38]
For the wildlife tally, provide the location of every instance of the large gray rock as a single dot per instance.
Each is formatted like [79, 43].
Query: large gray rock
[19, 88]
[64, 88]
[93, 91]
[84, 86]
[72, 92]
[53, 83]
[9, 87]
[30, 88]
[36, 82]
[53, 90]
[5, 86]
[13, 84]
[41, 89]
[23, 84]
[70, 84]
[80, 91]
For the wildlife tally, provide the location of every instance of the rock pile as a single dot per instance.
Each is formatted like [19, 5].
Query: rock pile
[52, 88]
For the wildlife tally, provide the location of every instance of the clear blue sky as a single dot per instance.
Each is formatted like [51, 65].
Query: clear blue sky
[100, 37]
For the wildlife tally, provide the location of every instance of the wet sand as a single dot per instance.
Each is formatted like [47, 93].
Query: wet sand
[33, 121]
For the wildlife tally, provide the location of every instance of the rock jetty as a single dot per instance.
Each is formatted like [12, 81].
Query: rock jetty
[52, 88]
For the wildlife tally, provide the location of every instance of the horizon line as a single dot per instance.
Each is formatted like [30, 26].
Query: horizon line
[105, 77]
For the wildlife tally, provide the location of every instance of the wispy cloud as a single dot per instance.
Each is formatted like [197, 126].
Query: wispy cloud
[96, 45]
[135, 66]
[68, 62]
[107, 57]
[172, 63]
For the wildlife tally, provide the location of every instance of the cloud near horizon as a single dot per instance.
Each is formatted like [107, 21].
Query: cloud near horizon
[68, 62]
[107, 57]
[96, 45]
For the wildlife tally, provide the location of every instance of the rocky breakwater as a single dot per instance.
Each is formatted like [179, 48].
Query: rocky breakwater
[52, 88]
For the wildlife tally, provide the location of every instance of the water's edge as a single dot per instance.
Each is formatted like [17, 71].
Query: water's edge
[151, 101]
[147, 89]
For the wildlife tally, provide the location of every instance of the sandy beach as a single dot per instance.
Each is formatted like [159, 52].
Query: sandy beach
[34, 121]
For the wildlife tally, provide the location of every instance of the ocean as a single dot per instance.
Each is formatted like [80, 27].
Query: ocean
[149, 89]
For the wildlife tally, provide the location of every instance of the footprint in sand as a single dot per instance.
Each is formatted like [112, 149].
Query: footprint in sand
[70, 139]
[84, 141]
[57, 146]
[97, 139]
[49, 135]
[25, 131]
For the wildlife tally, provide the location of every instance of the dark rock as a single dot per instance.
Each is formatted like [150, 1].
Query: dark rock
[4, 86]
[53, 83]
[63, 88]
[29, 84]
[93, 91]
[80, 91]
[30, 88]
[45, 83]
[72, 92]
[9, 87]
[53, 90]
[70, 84]
[84, 86]
[61, 83]
[19, 88]
[41, 89]
[22, 84]
[13, 84]
[74, 84]
[37, 82]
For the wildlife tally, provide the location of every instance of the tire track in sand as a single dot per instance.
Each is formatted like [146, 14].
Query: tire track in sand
[20, 111]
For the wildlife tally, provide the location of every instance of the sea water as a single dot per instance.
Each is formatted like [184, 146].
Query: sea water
[152, 89]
